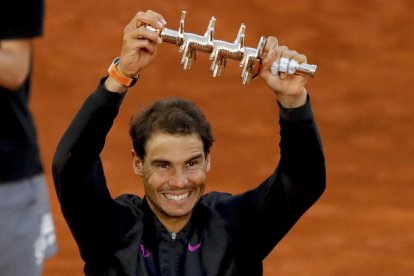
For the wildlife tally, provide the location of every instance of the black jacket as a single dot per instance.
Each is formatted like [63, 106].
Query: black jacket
[226, 235]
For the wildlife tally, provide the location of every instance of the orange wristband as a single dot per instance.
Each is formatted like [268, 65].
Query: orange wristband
[118, 76]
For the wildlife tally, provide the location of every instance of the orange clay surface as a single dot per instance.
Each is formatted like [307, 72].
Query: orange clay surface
[362, 98]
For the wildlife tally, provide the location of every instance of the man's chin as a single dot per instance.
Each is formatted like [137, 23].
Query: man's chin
[177, 213]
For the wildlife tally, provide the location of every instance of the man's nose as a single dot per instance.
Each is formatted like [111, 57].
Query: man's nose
[179, 178]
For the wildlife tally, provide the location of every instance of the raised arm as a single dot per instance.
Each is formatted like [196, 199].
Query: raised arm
[262, 217]
[93, 216]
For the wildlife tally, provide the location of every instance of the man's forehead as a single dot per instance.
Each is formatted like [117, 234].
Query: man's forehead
[162, 145]
[165, 136]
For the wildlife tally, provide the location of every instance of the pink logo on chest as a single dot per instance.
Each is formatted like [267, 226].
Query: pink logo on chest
[193, 248]
[144, 252]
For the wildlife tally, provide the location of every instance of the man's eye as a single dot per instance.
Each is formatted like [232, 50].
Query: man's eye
[192, 163]
[163, 165]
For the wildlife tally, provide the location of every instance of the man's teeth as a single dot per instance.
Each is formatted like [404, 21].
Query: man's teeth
[177, 197]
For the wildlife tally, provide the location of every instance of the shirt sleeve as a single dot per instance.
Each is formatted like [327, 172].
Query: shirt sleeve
[261, 217]
[94, 218]
[22, 19]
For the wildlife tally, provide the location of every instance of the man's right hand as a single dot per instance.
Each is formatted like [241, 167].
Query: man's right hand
[139, 46]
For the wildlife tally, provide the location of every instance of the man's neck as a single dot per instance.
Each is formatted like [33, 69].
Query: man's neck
[174, 225]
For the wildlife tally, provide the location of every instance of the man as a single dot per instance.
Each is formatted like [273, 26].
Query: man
[176, 229]
[27, 232]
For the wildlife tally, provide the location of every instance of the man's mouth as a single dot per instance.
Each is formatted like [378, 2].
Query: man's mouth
[177, 197]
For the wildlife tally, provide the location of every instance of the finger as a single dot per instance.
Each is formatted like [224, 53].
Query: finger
[279, 50]
[127, 66]
[300, 58]
[268, 54]
[149, 17]
[144, 33]
[271, 42]
[267, 62]
[292, 64]
[271, 62]
[285, 57]
[144, 45]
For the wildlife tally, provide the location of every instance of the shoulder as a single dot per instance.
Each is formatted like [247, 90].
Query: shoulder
[132, 202]
[214, 198]
[129, 199]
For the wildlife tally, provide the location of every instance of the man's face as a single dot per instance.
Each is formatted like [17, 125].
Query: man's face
[174, 173]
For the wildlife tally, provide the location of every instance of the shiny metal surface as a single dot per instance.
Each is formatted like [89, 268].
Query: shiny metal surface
[250, 58]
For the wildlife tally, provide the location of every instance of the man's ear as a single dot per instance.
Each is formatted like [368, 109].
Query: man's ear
[208, 162]
[137, 165]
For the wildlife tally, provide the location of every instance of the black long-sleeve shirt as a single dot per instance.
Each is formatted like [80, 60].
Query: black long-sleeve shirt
[226, 235]
[19, 150]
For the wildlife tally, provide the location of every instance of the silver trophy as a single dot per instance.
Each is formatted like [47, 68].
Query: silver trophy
[250, 58]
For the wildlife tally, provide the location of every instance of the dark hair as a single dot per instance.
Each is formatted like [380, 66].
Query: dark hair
[173, 116]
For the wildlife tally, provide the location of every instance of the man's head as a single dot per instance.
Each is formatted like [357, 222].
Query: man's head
[172, 142]
[170, 116]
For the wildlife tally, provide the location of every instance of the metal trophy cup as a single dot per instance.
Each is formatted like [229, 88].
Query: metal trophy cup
[250, 58]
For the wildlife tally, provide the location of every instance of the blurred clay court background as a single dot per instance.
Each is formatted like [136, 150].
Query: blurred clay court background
[362, 98]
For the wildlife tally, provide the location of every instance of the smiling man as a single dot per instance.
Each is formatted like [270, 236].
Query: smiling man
[176, 229]
[172, 142]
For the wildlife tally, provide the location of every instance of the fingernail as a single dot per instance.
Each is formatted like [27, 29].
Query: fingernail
[159, 24]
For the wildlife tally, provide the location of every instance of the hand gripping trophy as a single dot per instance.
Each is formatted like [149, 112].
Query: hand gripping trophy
[250, 58]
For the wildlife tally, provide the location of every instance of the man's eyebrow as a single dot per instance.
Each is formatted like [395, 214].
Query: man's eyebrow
[197, 156]
[163, 161]
[159, 161]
